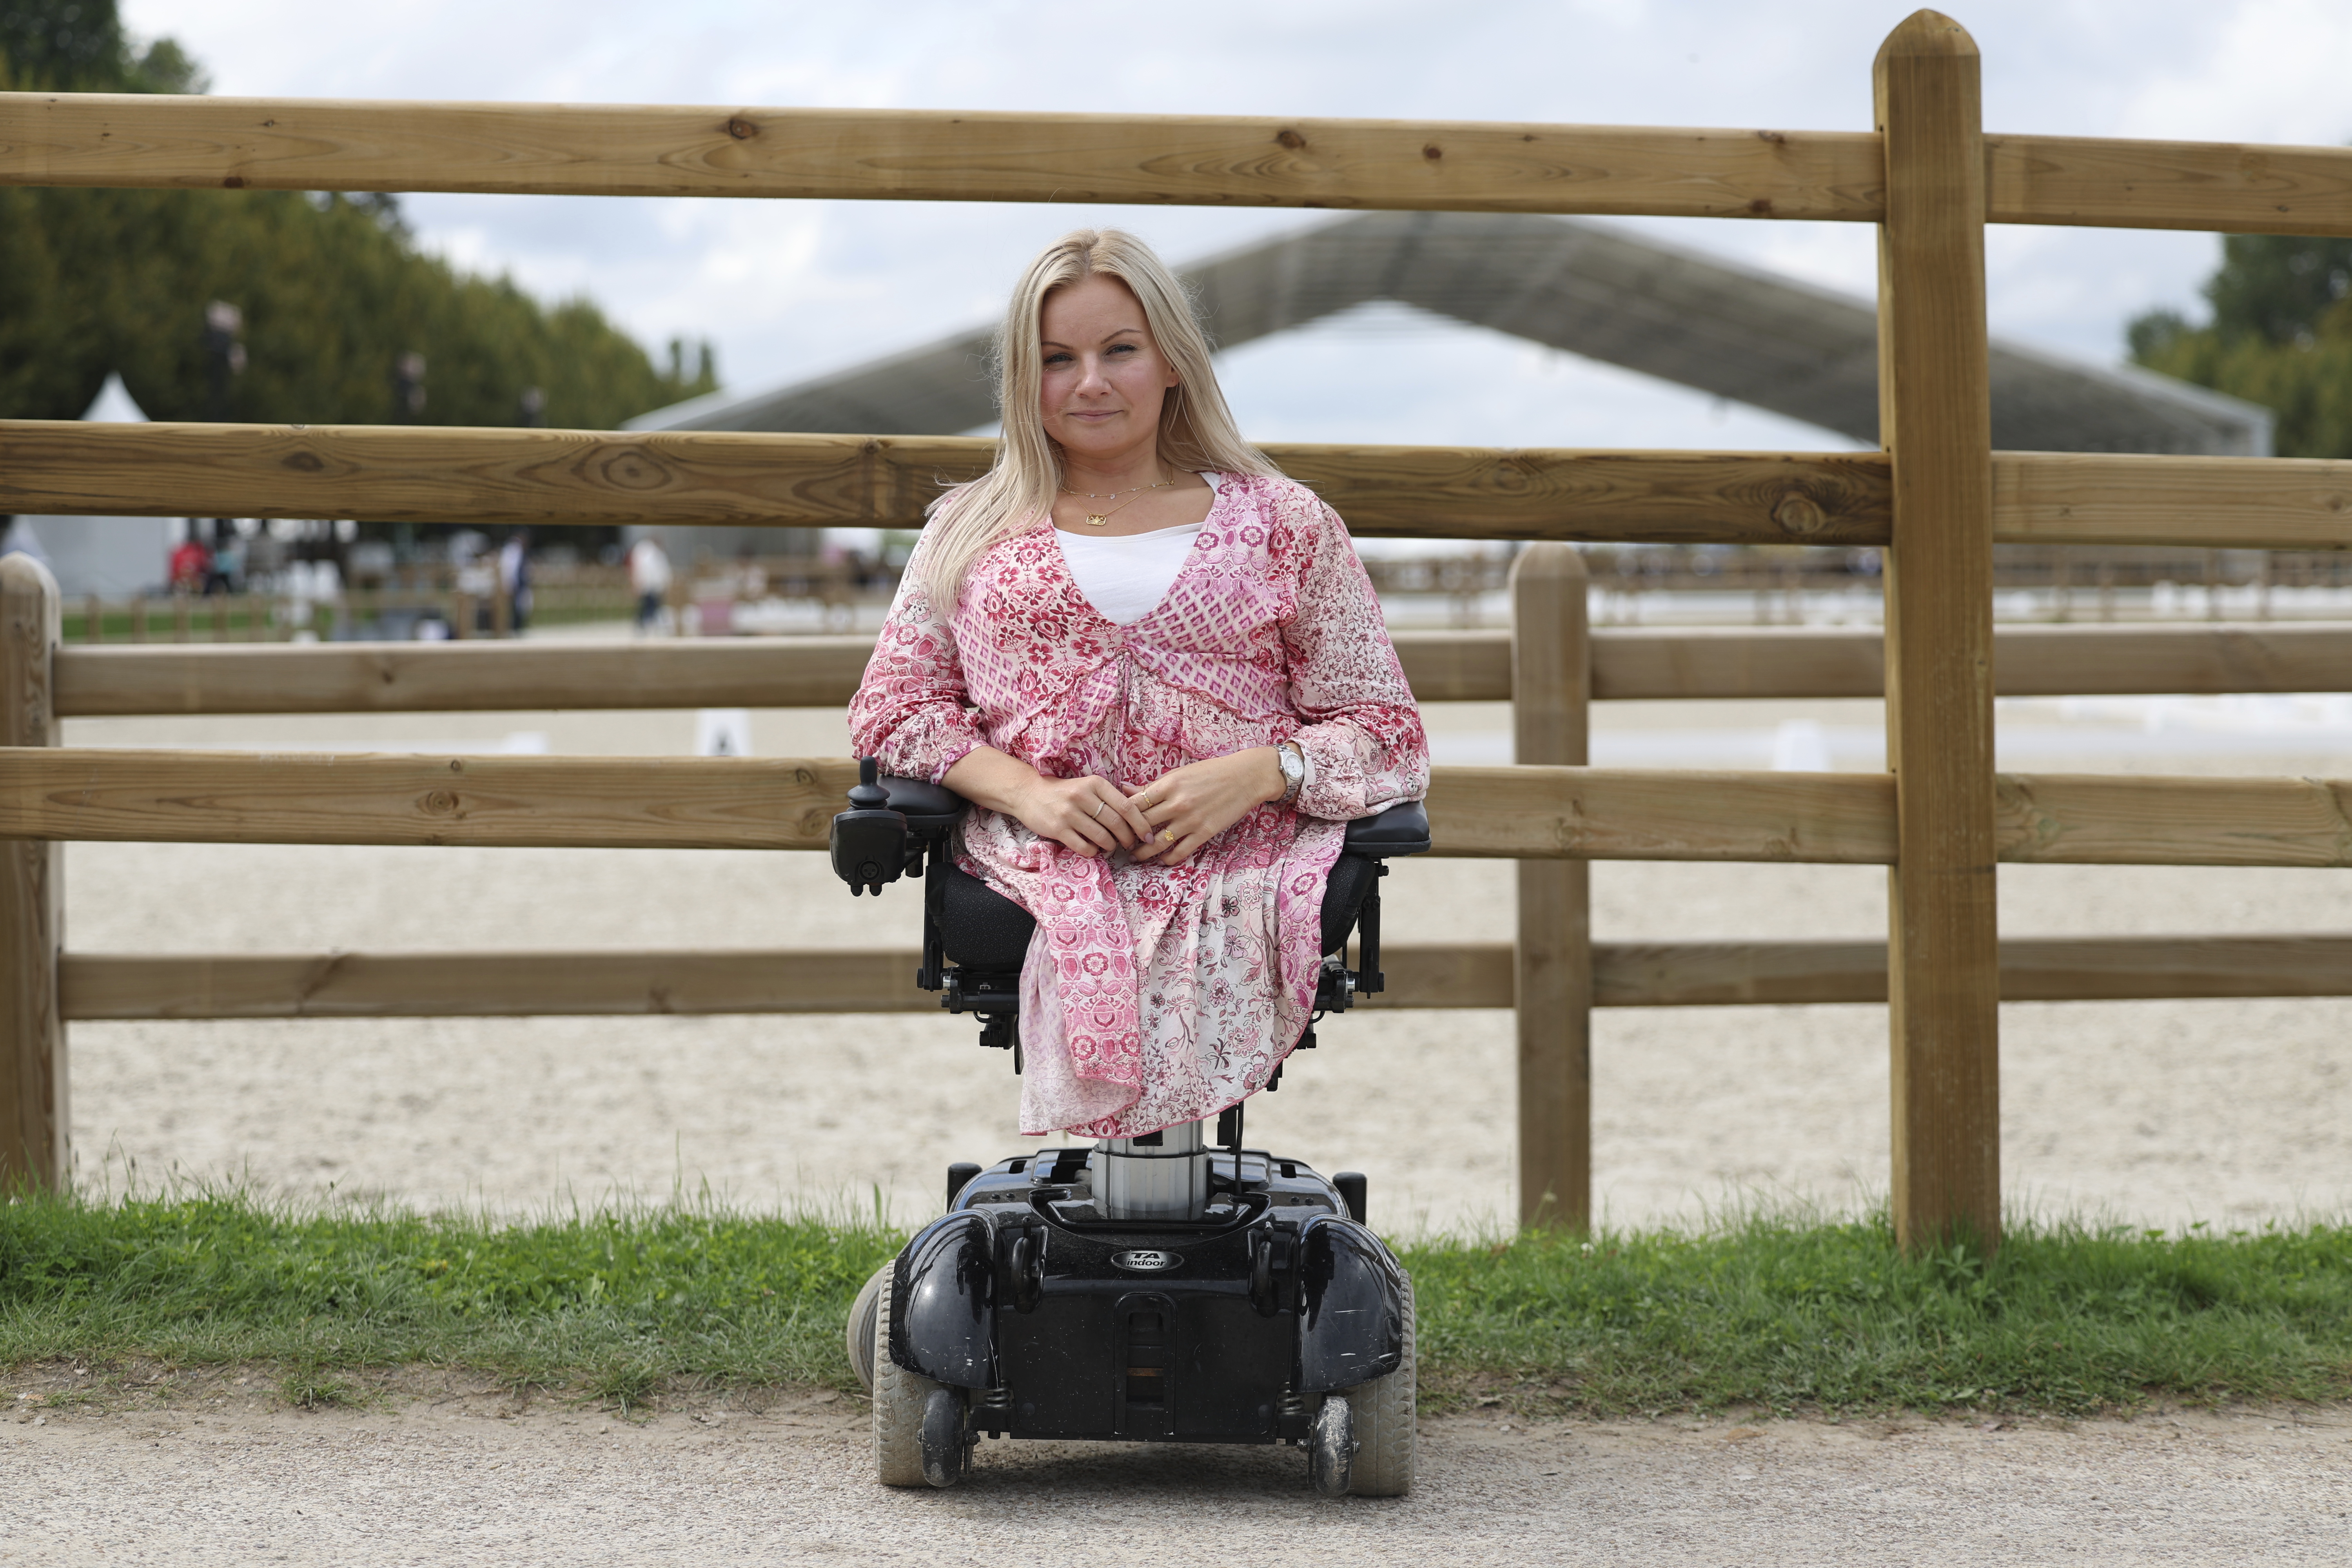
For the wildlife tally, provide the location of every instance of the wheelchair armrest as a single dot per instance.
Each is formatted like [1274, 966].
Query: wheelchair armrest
[1400, 830]
[929, 809]
[889, 827]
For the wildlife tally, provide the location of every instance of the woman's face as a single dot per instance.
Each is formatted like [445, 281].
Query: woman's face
[1105, 378]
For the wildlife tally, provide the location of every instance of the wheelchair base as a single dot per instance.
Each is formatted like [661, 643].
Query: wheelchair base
[1040, 1318]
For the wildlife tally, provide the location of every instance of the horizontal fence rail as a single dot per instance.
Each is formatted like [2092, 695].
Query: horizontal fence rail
[2106, 497]
[448, 677]
[1519, 813]
[1420, 976]
[1628, 664]
[394, 473]
[320, 144]
[2028, 661]
[323, 144]
[400, 474]
[2063, 968]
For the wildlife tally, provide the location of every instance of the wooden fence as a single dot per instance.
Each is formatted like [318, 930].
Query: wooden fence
[1935, 500]
[1550, 672]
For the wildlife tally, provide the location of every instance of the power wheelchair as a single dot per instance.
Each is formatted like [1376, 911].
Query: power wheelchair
[1172, 1288]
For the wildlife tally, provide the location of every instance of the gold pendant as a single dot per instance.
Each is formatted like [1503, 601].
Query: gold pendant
[1097, 520]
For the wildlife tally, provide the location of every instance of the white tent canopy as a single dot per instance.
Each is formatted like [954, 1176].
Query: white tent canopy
[112, 556]
[1749, 336]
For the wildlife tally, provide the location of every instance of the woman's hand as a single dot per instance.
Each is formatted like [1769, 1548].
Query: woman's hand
[1091, 816]
[1185, 809]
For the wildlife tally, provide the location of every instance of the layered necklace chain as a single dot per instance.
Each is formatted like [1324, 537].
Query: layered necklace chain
[1102, 519]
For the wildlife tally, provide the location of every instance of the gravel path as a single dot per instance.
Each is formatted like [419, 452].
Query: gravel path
[459, 1479]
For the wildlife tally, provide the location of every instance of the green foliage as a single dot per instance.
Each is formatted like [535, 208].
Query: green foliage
[2281, 335]
[333, 290]
[73, 46]
[1789, 1314]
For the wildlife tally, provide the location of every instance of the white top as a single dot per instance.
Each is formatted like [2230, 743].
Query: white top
[1125, 577]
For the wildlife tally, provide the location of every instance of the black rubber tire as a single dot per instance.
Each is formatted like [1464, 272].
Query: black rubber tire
[1331, 1447]
[944, 1451]
[1386, 1410]
[900, 1397]
[860, 1334]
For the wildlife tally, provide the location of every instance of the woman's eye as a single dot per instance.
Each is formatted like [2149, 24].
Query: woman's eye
[1057, 359]
[1122, 348]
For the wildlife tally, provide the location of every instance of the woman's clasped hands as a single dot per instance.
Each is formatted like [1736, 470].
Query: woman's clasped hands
[1187, 807]
[1165, 822]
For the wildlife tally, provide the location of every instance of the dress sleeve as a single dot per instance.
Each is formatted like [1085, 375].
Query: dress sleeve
[912, 712]
[1361, 733]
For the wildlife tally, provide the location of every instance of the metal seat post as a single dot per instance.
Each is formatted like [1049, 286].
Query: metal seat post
[1161, 1175]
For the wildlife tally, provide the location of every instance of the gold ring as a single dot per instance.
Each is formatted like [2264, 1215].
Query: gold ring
[1099, 809]
[1167, 835]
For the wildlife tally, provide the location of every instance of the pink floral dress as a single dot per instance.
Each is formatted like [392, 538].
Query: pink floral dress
[1155, 994]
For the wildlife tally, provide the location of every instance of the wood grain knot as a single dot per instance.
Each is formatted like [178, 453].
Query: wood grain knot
[1798, 514]
[1433, 151]
[632, 469]
[1761, 207]
[742, 129]
[234, 183]
[1290, 139]
[305, 462]
[439, 803]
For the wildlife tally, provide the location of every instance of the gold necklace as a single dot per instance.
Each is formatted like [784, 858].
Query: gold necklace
[1102, 519]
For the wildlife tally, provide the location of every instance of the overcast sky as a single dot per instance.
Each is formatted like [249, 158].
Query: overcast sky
[790, 289]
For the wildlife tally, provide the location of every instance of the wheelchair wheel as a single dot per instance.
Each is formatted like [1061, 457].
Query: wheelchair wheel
[1331, 1447]
[1384, 1417]
[900, 1400]
[946, 1455]
[863, 1313]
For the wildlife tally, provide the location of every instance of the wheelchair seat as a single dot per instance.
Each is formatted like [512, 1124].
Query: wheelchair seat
[975, 940]
[983, 929]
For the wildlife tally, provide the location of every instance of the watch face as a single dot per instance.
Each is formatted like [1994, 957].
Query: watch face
[1294, 770]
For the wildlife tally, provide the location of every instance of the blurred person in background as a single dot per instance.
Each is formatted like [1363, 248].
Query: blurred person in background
[514, 578]
[649, 580]
[228, 561]
[192, 564]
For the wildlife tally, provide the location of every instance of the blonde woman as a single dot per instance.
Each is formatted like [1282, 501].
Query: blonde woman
[1157, 669]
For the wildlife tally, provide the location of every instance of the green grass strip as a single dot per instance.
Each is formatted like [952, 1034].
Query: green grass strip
[1762, 1311]
[618, 1302]
[2064, 1317]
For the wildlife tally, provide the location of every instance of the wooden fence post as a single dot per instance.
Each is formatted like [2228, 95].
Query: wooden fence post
[33, 1126]
[1935, 419]
[1551, 690]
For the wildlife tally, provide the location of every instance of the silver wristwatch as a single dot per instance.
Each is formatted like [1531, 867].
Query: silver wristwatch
[1294, 770]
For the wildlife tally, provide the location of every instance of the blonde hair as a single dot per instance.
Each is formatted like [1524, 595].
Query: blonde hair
[1196, 429]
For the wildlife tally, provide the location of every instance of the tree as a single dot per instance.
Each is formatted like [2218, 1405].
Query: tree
[2281, 335]
[332, 292]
